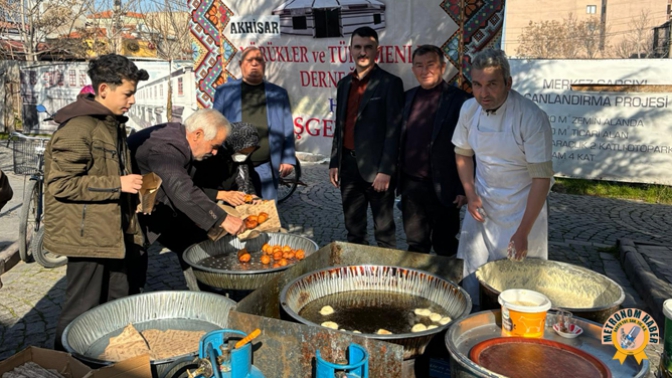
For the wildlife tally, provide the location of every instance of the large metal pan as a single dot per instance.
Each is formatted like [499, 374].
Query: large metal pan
[585, 293]
[379, 279]
[229, 273]
[88, 335]
[486, 325]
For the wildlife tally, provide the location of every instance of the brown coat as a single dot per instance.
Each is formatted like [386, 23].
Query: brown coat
[86, 214]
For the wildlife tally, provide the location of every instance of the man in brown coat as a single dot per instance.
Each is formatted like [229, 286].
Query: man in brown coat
[90, 196]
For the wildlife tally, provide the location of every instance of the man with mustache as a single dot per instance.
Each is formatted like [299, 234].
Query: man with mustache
[430, 188]
[511, 140]
[254, 100]
[366, 141]
[183, 214]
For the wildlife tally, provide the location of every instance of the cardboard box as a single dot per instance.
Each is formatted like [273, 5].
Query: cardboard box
[70, 367]
[136, 367]
[64, 363]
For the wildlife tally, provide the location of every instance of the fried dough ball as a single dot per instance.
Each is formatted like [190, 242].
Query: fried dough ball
[263, 217]
[300, 254]
[267, 249]
[285, 255]
[291, 255]
[277, 249]
[277, 256]
[248, 198]
[283, 262]
[249, 223]
[286, 248]
[265, 259]
[253, 218]
[245, 258]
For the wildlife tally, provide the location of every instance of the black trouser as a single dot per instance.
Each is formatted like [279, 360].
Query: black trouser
[94, 281]
[356, 195]
[427, 222]
[181, 235]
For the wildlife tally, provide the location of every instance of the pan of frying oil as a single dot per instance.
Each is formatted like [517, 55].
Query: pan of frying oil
[399, 305]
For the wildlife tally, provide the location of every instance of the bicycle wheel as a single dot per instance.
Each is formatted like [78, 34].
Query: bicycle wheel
[28, 218]
[42, 256]
[287, 184]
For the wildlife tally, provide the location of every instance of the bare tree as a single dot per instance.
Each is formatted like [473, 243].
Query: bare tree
[551, 39]
[588, 35]
[105, 24]
[35, 20]
[638, 42]
[167, 28]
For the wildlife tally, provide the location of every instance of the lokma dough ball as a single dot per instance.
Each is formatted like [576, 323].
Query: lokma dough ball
[422, 311]
[445, 320]
[331, 325]
[419, 328]
[327, 310]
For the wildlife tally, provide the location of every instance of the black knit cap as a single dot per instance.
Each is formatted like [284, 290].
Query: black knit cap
[243, 135]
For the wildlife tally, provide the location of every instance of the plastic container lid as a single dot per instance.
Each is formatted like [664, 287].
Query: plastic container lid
[667, 308]
[512, 299]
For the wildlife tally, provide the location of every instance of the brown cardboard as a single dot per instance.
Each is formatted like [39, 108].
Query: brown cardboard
[272, 224]
[136, 367]
[64, 363]
[151, 183]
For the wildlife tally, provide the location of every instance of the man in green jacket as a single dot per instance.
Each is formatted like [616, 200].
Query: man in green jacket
[91, 195]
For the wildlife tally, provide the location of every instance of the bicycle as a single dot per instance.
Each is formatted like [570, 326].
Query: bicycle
[28, 160]
[287, 185]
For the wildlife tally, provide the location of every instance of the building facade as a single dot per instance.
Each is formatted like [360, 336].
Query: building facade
[616, 20]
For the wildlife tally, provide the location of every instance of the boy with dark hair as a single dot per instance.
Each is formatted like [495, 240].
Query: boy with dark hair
[90, 196]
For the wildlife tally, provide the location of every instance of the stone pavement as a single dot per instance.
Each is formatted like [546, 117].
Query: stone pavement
[583, 231]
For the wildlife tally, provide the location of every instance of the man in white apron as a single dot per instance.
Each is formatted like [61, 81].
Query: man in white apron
[511, 140]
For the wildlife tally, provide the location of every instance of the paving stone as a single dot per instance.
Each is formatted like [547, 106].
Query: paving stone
[579, 226]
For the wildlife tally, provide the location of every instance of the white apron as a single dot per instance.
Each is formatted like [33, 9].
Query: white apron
[503, 183]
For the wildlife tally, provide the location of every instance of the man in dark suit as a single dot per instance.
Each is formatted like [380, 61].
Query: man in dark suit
[183, 214]
[431, 190]
[366, 141]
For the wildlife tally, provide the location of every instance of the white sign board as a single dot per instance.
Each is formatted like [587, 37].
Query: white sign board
[617, 136]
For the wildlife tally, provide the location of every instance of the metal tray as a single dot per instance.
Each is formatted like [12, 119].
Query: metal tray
[466, 333]
[288, 348]
[233, 274]
[451, 299]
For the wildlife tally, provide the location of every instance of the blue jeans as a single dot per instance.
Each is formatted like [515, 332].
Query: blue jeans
[269, 181]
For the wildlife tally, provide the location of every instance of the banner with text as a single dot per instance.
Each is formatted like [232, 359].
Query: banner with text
[311, 54]
[619, 135]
